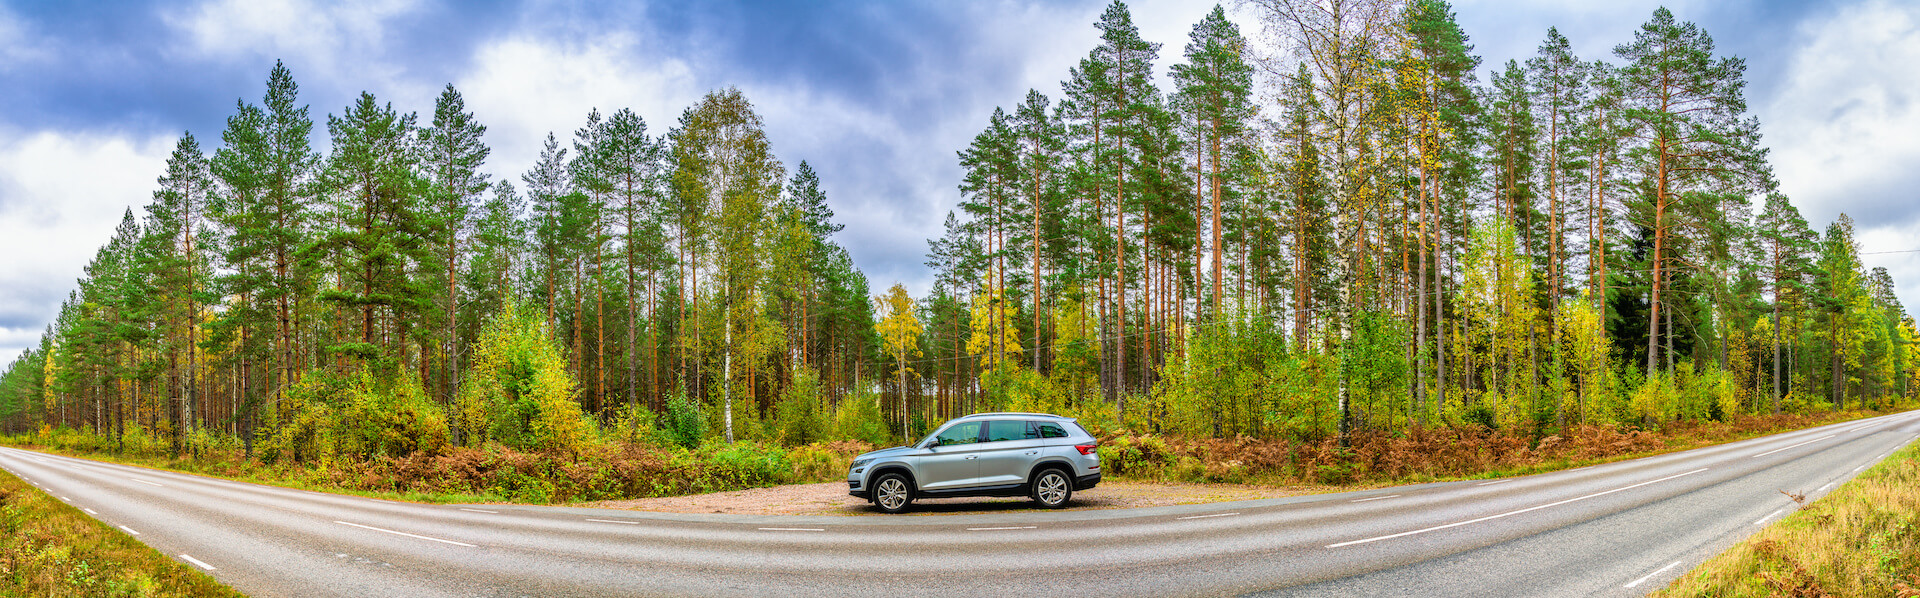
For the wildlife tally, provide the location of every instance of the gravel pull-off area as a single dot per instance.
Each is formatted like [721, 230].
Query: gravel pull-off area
[832, 499]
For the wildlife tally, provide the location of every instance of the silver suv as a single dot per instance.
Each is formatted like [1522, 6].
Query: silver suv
[1046, 457]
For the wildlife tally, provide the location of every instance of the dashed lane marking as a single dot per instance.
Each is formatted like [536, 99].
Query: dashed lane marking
[1492, 482]
[1376, 498]
[1793, 447]
[1207, 516]
[147, 482]
[90, 511]
[988, 529]
[1769, 516]
[197, 562]
[129, 530]
[1510, 513]
[1650, 575]
[792, 529]
[398, 533]
[482, 511]
[612, 521]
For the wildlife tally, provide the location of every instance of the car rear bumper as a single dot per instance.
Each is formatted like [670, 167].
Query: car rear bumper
[1086, 481]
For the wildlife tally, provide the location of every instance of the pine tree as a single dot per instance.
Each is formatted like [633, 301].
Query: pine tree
[1217, 82]
[173, 219]
[377, 232]
[452, 156]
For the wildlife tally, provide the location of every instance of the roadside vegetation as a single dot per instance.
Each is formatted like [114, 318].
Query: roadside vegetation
[1861, 540]
[50, 549]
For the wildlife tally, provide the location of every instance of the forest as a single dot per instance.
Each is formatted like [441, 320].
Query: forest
[1326, 230]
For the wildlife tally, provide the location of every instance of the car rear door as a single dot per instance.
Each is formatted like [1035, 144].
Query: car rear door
[1012, 446]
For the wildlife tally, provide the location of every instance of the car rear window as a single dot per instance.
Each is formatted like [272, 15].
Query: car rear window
[998, 430]
[1049, 430]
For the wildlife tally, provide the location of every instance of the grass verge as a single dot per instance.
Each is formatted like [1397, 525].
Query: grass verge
[50, 549]
[1861, 540]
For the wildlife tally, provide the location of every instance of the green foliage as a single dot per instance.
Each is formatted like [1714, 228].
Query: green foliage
[858, 418]
[519, 381]
[682, 424]
[797, 419]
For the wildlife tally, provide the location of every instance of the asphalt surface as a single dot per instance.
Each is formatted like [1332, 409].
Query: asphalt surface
[1610, 530]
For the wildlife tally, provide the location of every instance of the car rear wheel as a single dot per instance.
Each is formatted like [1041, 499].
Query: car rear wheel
[1052, 489]
[892, 493]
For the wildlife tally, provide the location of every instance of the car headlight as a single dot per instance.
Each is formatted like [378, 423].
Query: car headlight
[860, 462]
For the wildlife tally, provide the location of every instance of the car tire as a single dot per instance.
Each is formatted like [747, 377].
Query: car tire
[892, 492]
[1052, 488]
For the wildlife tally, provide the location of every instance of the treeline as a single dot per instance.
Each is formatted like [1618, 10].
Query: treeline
[1375, 239]
[1336, 229]
[380, 288]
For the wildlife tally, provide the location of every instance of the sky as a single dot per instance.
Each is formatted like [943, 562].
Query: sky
[877, 96]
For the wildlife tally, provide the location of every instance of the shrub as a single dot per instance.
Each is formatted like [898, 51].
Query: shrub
[683, 424]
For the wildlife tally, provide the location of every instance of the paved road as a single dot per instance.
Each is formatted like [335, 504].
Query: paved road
[1617, 529]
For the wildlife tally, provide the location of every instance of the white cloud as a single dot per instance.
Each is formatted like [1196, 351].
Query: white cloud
[523, 87]
[61, 195]
[339, 41]
[18, 44]
[1841, 128]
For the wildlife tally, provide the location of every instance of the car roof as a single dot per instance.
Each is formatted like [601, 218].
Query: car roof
[1014, 414]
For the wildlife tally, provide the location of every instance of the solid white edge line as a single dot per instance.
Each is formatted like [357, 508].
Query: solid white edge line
[482, 511]
[147, 482]
[1769, 516]
[987, 529]
[1492, 482]
[198, 562]
[1793, 447]
[1213, 515]
[612, 521]
[90, 511]
[129, 530]
[1650, 575]
[791, 529]
[1376, 498]
[1525, 510]
[406, 534]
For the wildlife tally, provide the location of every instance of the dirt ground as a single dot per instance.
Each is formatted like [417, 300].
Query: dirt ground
[832, 499]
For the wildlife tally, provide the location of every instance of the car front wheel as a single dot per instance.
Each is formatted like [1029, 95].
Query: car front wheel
[1052, 489]
[892, 493]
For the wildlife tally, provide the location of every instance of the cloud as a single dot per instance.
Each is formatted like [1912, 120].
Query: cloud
[61, 195]
[1841, 126]
[18, 44]
[523, 86]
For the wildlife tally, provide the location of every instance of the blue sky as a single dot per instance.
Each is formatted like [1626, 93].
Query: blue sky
[876, 95]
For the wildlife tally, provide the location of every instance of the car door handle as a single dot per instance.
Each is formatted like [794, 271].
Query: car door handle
[1033, 452]
[973, 456]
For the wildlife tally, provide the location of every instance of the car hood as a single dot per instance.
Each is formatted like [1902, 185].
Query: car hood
[889, 452]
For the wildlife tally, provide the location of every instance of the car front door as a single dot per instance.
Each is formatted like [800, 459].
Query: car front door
[1010, 449]
[952, 458]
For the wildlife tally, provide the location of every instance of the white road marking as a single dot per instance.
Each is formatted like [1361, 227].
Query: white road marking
[1650, 575]
[1492, 482]
[406, 534]
[1509, 513]
[1769, 516]
[1207, 516]
[1794, 446]
[1860, 468]
[1824, 488]
[146, 482]
[791, 529]
[612, 521]
[482, 511]
[1376, 498]
[197, 562]
[90, 511]
[66, 499]
[987, 529]
[129, 530]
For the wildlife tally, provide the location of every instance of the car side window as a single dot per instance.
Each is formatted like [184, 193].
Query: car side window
[961, 433]
[1049, 430]
[999, 430]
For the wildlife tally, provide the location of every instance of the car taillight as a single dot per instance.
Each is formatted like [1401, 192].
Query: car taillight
[1087, 449]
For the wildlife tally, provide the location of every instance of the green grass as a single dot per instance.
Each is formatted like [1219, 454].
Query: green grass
[50, 549]
[1861, 540]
